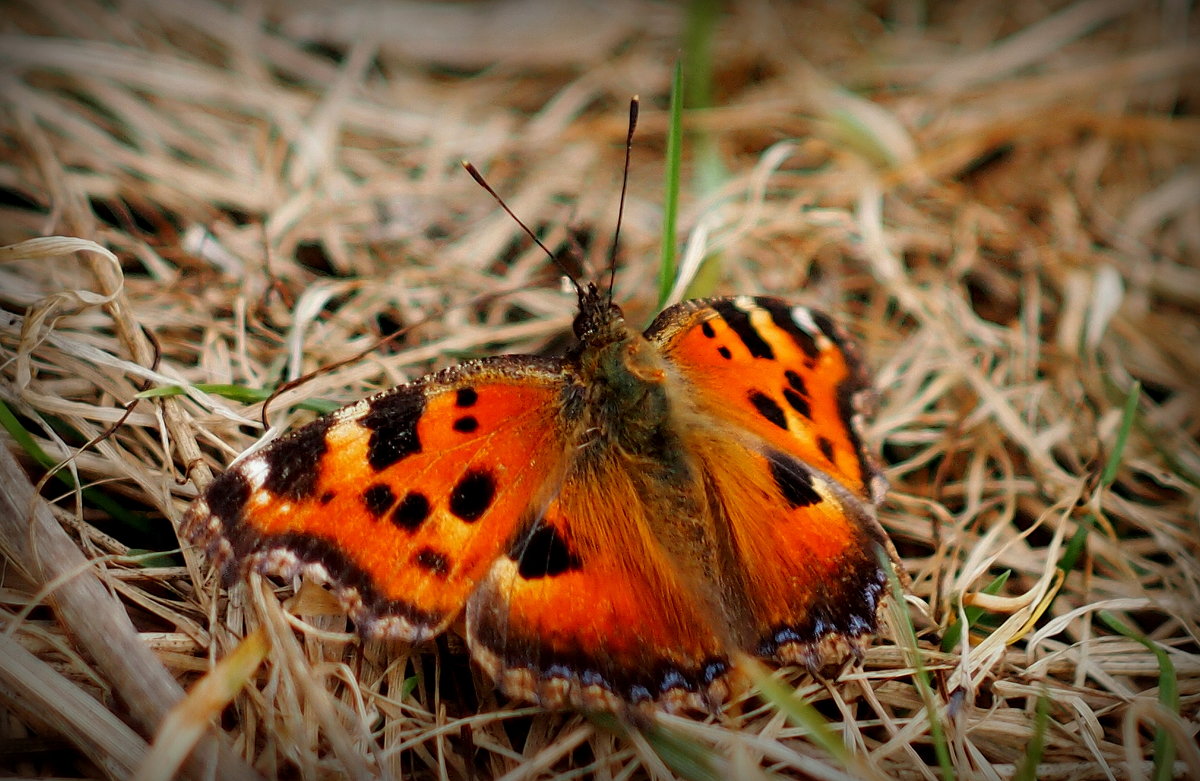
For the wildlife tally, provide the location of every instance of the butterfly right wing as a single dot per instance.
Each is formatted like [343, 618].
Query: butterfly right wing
[402, 501]
[775, 399]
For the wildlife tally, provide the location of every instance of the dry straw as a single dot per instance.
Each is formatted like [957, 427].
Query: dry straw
[1001, 200]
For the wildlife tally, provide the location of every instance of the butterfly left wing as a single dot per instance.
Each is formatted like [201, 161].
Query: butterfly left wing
[771, 399]
[401, 501]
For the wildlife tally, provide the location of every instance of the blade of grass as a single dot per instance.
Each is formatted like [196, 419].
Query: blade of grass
[1078, 540]
[908, 637]
[954, 632]
[685, 757]
[700, 24]
[798, 712]
[1027, 771]
[667, 262]
[238, 393]
[91, 497]
[186, 723]
[1168, 693]
[702, 18]
[1114, 458]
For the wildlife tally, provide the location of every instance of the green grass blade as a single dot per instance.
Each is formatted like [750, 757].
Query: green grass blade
[91, 497]
[26, 441]
[685, 757]
[1027, 771]
[1076, 544]
[1168, 693]
[908, 639]
[701, 23]
[667, 261]
[702, 16]
[238, 393]
[798, 712]
[1114, 458]
[953, 635]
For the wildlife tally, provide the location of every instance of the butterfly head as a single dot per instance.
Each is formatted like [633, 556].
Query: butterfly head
[600, 321]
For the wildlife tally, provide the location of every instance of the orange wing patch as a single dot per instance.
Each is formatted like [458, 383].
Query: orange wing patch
[784, 372]
[402, 501]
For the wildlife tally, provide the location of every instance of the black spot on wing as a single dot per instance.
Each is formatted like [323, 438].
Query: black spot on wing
[793, 480]
[378, 499]
[473, 495]
[826, 447]
[411, 512]
[327, 497]
[781, 315]
[739, 322]
[543, 553]
[392, 420]
[466, 424]
[465, 397]
[796, 382]
[798, 402]
[707, 329]
[725, 353]
[292, 462]
[432, 561]
[768, 408]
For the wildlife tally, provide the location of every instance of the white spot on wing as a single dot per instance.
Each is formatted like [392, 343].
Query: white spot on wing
[745, 303]
[804, 319]
[255, 471]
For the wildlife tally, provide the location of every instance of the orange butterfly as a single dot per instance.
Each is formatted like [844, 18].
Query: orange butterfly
[616, 525]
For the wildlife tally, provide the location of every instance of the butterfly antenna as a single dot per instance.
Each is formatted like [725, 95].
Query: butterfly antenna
[612, 254]
[478, 177]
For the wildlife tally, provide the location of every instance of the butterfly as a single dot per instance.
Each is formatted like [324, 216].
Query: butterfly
[615, 526]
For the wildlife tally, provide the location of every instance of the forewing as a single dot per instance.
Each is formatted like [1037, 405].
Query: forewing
[784, 372]
[402, 501]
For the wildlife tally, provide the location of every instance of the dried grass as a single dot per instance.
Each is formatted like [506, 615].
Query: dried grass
[1002, 200]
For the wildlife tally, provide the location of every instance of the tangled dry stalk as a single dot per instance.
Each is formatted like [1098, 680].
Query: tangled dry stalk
[1001, 200]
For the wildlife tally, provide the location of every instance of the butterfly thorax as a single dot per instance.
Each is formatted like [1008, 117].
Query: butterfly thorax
[623, 399]
[628, 437]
